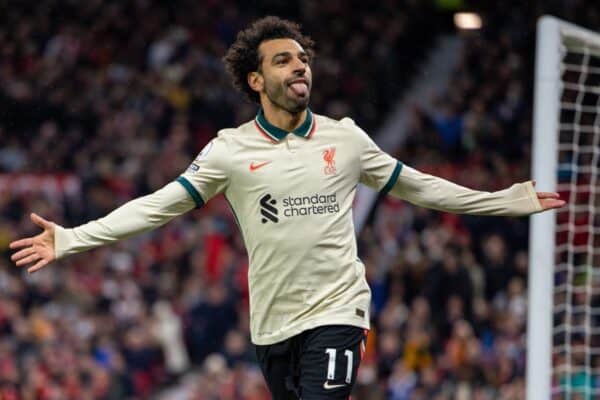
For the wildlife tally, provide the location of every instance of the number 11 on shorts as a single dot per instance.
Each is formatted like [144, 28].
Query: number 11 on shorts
[331, 365]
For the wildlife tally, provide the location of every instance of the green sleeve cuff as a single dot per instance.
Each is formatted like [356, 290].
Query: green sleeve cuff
[191, 191]
[393, 179]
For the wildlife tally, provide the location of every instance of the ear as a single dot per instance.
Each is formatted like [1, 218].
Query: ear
[256, 81]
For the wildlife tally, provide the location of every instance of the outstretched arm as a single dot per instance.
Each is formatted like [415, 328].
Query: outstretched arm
[137, 216]
[384, 173]
[432, 192]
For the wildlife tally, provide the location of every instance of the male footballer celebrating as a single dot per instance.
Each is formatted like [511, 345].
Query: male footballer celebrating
[290, 177]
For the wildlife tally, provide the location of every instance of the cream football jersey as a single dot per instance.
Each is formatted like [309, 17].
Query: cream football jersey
[292, 195]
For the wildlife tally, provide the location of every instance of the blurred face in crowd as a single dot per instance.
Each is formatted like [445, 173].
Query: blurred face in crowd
[284, 77]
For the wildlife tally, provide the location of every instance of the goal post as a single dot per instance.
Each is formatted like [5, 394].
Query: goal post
[563, 339]
[541, 254]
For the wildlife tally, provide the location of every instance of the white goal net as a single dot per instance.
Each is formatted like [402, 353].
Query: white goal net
[564, 313]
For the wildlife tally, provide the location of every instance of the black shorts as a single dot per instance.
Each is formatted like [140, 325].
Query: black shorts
[320, 363]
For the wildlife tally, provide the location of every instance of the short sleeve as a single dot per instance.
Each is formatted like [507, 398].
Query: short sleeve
[208, 174]
[378, 169]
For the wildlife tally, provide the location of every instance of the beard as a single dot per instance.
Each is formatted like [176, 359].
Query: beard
[278, 94]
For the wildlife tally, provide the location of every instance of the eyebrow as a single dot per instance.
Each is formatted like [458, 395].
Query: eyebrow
[287, 54]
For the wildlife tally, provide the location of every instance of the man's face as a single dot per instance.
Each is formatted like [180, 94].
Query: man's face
[286, 75]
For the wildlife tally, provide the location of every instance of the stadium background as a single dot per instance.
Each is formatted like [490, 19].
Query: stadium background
[103, 101]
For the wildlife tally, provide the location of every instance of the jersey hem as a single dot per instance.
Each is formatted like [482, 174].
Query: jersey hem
[311, 324]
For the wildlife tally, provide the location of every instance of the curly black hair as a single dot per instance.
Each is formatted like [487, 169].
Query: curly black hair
[243, 58]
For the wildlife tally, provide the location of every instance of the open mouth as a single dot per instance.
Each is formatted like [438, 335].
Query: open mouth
[299, 87]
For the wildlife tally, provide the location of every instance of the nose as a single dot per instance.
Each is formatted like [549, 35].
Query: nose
[299, 66]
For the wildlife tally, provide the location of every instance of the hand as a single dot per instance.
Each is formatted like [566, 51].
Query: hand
[549, 200]
[38, 249]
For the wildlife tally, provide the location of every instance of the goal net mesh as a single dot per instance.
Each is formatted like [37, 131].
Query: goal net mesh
[576, 311]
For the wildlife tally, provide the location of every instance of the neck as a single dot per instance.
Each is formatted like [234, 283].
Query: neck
[281, 118]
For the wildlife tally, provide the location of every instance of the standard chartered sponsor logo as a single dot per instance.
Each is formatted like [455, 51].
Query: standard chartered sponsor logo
[268, 209]
[316, 204]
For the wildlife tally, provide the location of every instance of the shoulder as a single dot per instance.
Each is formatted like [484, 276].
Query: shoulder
[228, 134]
[231, 138]
[323, 121]
[344, 126]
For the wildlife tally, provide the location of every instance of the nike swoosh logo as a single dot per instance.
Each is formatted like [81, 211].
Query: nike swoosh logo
[254, 167]
[328, 386]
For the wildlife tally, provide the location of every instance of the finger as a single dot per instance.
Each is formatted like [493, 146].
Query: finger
[548, 195]
[22, 253]
[551, 203]
[40, 264]
[29, 259]
[41, 222]
[21, 243]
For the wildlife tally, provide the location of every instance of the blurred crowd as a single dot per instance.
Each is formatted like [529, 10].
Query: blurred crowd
[104, 101]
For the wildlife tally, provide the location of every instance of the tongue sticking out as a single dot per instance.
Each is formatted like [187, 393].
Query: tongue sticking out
[300, 89]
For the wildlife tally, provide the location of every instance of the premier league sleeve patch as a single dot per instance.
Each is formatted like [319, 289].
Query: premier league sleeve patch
[193, 168]
[195, 165]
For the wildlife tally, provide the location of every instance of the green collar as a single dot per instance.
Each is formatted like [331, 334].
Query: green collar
[277, 134]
